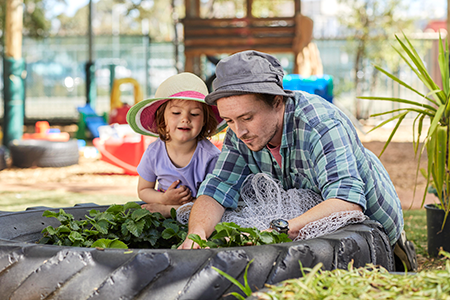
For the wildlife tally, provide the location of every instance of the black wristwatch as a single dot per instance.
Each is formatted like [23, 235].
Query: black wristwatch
[280, 225]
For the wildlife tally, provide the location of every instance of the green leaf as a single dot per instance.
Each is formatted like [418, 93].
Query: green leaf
[135, 228]
[75, 236]
[50, 230]
[102, 226]
[139, 214]
[93, 213]
[399, 100]
[101, 243]
[168, 233]
[131, 205]
[173, 213]
[118, 245]
[63, 229]
[115, 208]
[50, 214]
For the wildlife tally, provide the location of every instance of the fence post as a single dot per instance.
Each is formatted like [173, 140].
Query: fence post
[13, 74]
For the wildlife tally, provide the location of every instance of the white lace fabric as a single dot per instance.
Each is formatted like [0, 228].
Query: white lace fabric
[263, 199]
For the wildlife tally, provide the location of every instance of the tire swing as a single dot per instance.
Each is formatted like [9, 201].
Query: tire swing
[32, 271]
[43, 153]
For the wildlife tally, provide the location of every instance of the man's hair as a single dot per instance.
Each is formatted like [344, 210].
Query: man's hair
[208, 129]
[269, 99]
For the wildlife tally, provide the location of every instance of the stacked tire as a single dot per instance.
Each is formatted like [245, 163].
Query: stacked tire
[32, 271]
[43, 153]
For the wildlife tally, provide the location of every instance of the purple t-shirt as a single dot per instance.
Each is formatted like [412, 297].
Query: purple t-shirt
[156, 165]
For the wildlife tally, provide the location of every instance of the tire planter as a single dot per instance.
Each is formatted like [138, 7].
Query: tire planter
[43, 153]
[32, 271]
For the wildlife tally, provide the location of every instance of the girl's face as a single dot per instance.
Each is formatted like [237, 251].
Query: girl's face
[184, 120]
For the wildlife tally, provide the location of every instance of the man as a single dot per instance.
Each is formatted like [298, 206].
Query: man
[299, 139]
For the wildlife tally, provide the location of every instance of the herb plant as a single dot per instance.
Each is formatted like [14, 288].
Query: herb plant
[120, 226]
[130, 226]
[233, 235]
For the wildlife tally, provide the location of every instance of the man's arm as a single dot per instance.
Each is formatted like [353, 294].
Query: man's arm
[323, 209]
[205, 214]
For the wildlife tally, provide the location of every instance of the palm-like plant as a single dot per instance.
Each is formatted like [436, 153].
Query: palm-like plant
[437, 110]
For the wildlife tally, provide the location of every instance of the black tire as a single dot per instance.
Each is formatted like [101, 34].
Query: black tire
[41, 153]
[2, 158]
[32, 271]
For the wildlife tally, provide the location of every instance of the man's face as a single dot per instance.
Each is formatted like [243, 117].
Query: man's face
[252, 120]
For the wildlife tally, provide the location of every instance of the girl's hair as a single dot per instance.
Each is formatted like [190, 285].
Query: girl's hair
[208, 129]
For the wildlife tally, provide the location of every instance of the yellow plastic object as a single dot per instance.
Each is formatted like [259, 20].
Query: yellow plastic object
[115, 93]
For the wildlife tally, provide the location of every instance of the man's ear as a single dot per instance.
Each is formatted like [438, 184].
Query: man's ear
[278, 101]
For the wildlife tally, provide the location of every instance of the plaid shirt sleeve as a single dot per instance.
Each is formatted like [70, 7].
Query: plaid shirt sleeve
[235, 163]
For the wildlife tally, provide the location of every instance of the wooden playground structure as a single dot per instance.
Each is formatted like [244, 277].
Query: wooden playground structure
[219, 36]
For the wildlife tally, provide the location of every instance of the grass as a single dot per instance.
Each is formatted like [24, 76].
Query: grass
[416, 231]
[19, 201]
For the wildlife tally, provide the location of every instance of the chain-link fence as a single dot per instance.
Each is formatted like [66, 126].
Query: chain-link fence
[55, 83]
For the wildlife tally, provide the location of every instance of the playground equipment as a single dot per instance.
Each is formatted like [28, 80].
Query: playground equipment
[120, 146]
[318, 85]
[44, 132]
[119, 109]
[91, 121]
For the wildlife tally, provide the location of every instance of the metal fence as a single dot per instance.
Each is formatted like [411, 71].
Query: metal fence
[55, 83]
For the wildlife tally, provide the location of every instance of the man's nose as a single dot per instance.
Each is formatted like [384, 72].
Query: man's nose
[240, 130]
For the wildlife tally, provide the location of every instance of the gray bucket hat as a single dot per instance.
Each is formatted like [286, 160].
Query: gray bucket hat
[248, 72]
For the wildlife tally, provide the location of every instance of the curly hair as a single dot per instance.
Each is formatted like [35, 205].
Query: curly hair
[208, 129]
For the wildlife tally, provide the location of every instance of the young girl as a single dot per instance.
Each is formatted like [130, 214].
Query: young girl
[182, 155]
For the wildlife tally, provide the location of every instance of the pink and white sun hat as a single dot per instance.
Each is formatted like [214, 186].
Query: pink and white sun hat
[183, 86]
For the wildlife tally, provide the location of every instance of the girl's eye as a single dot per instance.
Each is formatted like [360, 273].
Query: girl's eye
[195, 115]
[175, 113]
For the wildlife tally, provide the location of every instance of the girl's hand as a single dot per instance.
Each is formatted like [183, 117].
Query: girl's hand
[177, 195]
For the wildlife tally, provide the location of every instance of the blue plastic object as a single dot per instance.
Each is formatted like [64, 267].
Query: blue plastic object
[89, 120]
[318, 85]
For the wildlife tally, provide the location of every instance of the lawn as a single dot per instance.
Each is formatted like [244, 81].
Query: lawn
[18, 201]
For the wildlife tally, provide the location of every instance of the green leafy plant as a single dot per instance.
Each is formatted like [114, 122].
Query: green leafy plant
[369, 282]
[436, 109]
[233, 235]
[245, 288]
[120, 226]
[130, 226]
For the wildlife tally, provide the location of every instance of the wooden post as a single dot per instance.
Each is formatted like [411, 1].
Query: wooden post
[14, 26]
[13, 74]
[249, 9]
[192, 62]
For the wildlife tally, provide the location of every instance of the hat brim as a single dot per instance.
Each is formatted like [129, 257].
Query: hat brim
[141, 116]
[244, 89]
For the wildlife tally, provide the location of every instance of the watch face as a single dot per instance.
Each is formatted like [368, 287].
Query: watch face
[280, 223]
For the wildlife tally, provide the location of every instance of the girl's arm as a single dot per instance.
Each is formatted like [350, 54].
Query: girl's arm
[172, 196]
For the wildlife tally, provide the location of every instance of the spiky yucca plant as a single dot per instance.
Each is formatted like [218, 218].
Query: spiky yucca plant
[437, 109]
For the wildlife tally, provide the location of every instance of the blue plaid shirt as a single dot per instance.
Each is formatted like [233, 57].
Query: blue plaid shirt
[321, 151]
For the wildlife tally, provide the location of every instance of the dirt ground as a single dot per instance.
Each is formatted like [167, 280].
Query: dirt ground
[92, 175]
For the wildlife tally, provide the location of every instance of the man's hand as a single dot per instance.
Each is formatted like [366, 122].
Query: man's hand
[205, 215]
[189, 244]
[177, 195]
